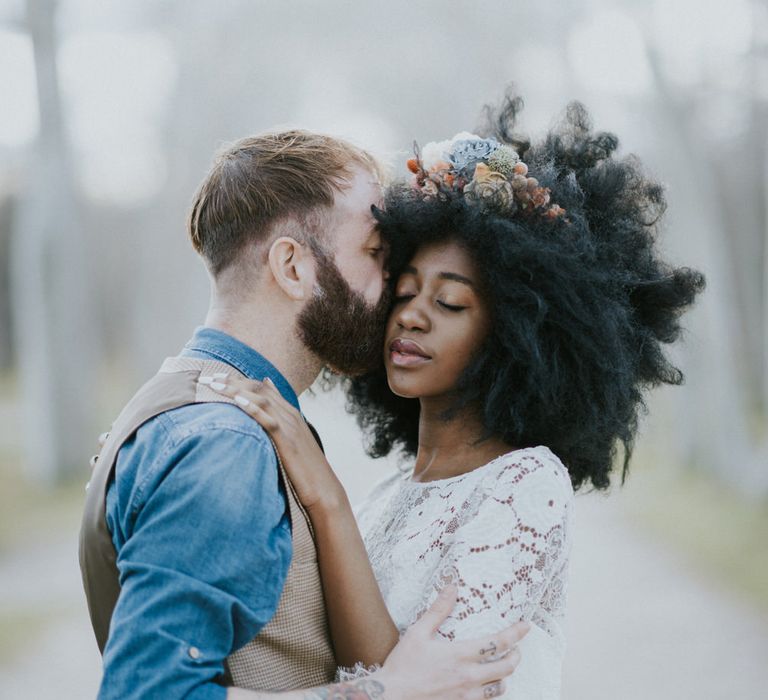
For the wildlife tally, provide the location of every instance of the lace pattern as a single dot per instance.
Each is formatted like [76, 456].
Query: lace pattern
[359, 670]
[501, 533]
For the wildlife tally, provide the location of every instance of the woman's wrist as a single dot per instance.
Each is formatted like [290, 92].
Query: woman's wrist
[332, 503]
[381, 682]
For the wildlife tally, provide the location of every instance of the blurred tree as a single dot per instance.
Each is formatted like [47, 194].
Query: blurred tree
[724, 210]
[51, 304]
[386, 75]
[6, 330]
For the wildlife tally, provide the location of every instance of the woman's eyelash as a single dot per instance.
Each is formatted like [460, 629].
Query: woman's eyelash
[451, 307]
[401, 298]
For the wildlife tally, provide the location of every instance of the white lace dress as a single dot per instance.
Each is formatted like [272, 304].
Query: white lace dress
[501, 533]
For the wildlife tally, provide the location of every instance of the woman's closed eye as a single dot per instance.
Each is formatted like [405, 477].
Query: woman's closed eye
[402, 298]
[451, 307]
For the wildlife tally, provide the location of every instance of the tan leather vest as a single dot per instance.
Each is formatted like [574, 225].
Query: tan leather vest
[294, 649]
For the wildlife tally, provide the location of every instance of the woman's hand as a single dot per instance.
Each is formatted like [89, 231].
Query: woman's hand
[361, 627]
[433, 667]
[316, 485]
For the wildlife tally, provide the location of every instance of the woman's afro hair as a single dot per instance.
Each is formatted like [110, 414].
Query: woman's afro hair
[581, 305]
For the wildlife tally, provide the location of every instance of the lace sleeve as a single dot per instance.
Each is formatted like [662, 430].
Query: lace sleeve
[359, 670]
[510, 551]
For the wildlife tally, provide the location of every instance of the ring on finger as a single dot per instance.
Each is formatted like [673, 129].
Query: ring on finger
[496, 657]
[492, 689]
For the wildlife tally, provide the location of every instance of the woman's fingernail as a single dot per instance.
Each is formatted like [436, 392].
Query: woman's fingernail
[220, 375]
[204, 380]
[242, 400]
[218, 386]
[270, 381]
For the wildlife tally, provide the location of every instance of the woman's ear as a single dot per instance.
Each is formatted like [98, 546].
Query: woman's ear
[293, 267]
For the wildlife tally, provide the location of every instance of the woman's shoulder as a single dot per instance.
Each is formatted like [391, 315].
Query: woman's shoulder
[530, 472]
[380, 492]
[519, 465]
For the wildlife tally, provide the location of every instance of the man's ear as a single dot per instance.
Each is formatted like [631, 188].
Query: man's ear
[293, 267]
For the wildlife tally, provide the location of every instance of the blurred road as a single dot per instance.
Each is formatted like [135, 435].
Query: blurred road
[642, 625]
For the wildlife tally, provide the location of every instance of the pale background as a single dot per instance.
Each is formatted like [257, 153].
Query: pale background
[109, 115]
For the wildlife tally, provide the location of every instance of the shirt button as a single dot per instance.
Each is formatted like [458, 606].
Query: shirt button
[194, 652]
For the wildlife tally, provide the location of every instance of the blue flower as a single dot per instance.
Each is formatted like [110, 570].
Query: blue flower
[468, 152]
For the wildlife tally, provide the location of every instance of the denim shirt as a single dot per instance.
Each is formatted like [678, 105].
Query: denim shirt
[200, 524]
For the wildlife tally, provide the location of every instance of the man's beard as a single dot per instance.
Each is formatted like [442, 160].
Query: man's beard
[339, 326]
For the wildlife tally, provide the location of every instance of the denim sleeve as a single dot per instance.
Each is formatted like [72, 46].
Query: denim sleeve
[199, 522]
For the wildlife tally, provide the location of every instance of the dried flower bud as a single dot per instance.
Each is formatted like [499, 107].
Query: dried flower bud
[519, 182]
[540, 197]
[503, 160]
[440, 166]
[430, 188]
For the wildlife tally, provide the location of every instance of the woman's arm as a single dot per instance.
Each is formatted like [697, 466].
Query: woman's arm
[423, 667]
[361, 627]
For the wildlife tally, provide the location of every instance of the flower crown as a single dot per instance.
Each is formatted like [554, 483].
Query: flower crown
[483, 170]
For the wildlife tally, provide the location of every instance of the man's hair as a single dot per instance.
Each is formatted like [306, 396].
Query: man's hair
[262, 180]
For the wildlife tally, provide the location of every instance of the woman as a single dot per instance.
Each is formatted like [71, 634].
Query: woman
[528, 318]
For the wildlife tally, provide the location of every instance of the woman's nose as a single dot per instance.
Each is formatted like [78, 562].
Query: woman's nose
[411, 316]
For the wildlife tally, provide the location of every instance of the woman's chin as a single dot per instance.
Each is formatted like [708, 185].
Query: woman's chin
[403, 389]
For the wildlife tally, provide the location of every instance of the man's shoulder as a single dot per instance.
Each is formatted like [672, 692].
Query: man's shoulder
[207, 429]
[205, 420]
[206, 446]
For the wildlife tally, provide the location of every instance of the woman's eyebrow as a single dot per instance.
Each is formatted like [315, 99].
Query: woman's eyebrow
[455, 277]
[452, 276]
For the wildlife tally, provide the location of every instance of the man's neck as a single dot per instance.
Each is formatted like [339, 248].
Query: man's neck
[273, 338]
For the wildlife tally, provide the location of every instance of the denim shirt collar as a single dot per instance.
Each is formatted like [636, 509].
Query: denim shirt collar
[212, 343]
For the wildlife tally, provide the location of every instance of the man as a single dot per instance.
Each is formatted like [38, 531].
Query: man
[198, 561]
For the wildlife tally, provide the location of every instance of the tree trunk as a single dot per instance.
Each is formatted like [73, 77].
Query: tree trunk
[717, 405]
[52, 316]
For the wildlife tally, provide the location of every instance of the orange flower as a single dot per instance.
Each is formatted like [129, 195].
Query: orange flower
[430, 188]
[440, 166]
[554, 212]
[484, 174]
[541, 197]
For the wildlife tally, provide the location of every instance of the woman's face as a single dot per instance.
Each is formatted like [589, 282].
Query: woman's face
[438, 323]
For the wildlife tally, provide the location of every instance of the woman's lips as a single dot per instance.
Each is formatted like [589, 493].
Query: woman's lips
[406, 353]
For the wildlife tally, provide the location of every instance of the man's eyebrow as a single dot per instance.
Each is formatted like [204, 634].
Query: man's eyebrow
[452, 276]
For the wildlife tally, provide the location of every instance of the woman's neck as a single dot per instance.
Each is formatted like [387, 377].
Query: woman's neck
[449, 448]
